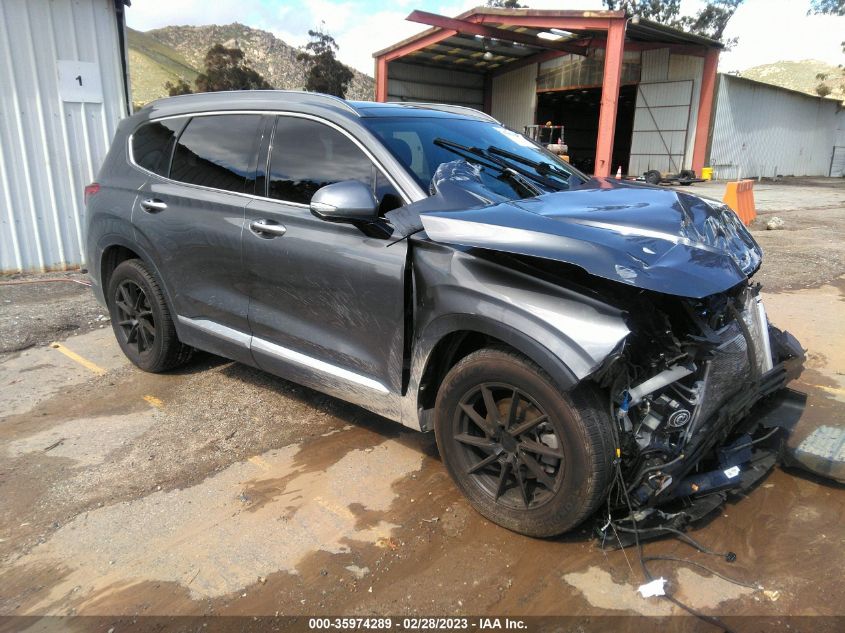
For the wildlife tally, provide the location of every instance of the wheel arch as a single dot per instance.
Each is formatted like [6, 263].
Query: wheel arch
[116, 250]
[450, 338]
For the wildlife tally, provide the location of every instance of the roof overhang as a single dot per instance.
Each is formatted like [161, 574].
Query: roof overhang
[485, 39]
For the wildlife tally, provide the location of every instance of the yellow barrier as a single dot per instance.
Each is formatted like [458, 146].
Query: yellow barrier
[739, 196]
[707, 173]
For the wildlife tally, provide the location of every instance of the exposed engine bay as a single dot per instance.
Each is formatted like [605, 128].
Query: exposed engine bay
[681, 389]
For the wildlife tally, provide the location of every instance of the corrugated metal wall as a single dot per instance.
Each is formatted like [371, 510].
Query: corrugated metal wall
[49, 148]
[412, 82]
[671, 86]
[761, 130]
[837, 160]
[514, 97]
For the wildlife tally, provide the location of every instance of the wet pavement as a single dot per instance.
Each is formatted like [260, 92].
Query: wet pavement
[117, 503]
[220, 490]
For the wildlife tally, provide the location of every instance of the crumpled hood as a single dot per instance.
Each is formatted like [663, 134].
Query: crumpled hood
[648, 237]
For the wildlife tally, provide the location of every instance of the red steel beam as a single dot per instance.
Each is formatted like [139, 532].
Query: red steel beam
[381, 80]
[417, 44]
[705, 109]
[610, 96]
[576, 23]
[471, 28]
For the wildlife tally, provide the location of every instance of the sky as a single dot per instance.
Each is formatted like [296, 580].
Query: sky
[768, 30]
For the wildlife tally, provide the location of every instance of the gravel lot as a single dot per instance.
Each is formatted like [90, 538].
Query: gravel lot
[221, 490]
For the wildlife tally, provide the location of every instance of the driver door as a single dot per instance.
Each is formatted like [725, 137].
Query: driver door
[326, 302]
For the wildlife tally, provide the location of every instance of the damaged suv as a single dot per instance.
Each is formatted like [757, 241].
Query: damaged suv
[573, 342]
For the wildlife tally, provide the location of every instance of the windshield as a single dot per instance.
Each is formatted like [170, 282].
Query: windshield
[422, 144]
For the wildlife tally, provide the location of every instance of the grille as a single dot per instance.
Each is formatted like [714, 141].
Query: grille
[727, 372]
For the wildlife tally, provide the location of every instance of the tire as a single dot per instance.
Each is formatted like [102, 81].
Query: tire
[571, 445]
[141, 320]
[653, 177]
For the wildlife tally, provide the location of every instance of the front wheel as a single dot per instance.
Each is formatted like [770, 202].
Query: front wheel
[527, 456]
[141, 320]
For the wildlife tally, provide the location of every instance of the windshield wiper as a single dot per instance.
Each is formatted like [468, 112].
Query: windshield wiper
[517, 175]
[541, 167]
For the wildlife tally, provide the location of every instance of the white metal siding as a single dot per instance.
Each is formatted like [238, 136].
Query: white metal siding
[661, 122]
[666, 80]
[514, 98]
[50, 149]
[412, 82]
[763, 130]
[837, 160]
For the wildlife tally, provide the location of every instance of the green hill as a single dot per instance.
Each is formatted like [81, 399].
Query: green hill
[800, 76]
[152, 64]
[174, 52]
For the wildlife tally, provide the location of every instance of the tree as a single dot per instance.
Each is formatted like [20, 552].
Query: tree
[823, 90]
[225, 70]
[663, 11]
[506, 4]
[181, 87]
[710, 21]
[832, 7]
[326, 74]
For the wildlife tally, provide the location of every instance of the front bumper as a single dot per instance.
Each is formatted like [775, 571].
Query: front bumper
[709, 452]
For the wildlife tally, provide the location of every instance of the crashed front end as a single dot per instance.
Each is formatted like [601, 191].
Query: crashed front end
[681, 390]
[699, 352]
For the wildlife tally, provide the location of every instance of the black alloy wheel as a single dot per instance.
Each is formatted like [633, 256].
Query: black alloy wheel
[508, 446]
[528, 455]
[141, 319]
[135, 316]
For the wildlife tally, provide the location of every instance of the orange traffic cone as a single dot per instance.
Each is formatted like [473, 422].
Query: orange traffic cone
[619, 173]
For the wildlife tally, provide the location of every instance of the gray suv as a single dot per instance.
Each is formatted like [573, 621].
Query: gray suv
[573, 342]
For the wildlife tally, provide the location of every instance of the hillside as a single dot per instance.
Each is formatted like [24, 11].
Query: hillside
[169, 53]
[799, 76]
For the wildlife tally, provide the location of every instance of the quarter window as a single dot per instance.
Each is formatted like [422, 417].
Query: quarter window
[218, 151]
[152, 144]
[308, 155]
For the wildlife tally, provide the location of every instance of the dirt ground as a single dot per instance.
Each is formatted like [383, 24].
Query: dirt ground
[220, 490]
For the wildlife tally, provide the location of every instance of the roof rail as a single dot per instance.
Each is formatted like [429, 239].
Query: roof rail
[447, 107]
[301, 94]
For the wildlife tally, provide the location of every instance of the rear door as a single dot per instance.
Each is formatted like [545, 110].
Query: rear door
[190, 217]
[327, 302]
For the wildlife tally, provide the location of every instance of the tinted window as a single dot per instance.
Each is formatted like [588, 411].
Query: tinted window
[308, 155]
[153, 142]
[218, 151]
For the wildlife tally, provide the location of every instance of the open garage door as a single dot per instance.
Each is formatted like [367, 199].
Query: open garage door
[661, 121]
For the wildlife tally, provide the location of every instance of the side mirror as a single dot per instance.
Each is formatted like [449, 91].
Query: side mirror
[346, 201]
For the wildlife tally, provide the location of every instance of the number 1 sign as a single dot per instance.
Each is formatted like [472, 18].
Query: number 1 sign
[79, 81]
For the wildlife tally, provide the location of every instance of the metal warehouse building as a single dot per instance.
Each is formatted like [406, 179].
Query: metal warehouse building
[761, 130]
[64, 90]
[629, 93]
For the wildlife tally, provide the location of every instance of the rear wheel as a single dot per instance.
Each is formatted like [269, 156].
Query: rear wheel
[528, 457]
[141, 321]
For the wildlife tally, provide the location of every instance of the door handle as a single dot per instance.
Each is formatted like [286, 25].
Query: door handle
[153, 205]
[264, 229]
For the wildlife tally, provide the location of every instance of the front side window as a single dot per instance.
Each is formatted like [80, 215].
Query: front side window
[152, 144]
[218, 151]
[308, 155]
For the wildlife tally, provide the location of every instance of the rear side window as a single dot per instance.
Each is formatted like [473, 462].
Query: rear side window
[152, 144]
[308, 155]
[218, 151]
